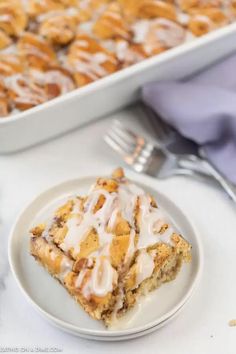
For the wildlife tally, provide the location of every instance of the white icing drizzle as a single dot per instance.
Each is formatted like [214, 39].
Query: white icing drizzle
[121, 49]
[30, 88]
[147, 236]
[183, 18]
[90, 65]
[128, 54]
[77, 206]
[118, 306]
[83, 4]
[113, 219]
[169, 33]
[140, 29]
[53, 76]
[145, 266]
[82, 43]
[46, 232]
[27, 90]
[71, 11]
[100, 57]
[102, 280]
[66, 267]
[131, 248]
[104, 213]
[6, 18]
[98, 277]
[29, 49]
[86, 13]
[128, 194]
[151, 221]
[76, 233]
[12, 49]
[79, 227]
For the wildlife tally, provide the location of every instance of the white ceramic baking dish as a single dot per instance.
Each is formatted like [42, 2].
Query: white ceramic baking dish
[112, 92]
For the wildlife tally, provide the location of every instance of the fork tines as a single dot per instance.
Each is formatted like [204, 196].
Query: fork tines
[132, 147]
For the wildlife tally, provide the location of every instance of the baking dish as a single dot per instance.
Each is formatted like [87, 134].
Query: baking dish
[113, 92]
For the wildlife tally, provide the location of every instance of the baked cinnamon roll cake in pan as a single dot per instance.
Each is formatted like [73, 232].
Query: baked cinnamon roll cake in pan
[51, 47]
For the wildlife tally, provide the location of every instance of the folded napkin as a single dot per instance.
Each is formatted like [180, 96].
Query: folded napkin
[202, 108]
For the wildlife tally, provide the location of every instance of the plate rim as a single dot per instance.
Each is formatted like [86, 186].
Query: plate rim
[71, 328]
[123, 337]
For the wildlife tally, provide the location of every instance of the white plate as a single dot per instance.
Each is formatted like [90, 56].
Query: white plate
[55, 304]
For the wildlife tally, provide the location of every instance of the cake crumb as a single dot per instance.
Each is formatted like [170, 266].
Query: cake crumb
[232, 323]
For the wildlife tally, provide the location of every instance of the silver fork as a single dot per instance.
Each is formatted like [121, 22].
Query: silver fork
[168, 136]
[156, 160]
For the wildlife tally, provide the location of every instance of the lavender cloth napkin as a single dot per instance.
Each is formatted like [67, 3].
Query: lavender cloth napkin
[202, 108]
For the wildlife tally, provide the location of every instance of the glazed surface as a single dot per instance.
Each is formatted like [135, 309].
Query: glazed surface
[110, 247]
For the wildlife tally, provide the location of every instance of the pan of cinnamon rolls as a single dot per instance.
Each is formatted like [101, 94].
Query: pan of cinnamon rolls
[51, 47]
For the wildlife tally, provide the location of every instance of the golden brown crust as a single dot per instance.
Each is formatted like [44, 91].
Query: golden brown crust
[90, 60]
[111, 24]
[5, 40]
[35, 8]
[48, 254]
[36, 52]
[59, 29]
[4, 105]
[13, 18]
[29, 90]
[10, 64]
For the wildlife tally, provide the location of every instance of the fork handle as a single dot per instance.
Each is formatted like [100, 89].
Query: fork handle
[203, 166]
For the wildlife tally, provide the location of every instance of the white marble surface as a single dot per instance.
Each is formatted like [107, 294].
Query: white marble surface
[203, 325]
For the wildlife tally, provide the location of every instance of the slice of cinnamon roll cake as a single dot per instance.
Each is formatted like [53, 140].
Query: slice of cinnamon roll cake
[110, 247]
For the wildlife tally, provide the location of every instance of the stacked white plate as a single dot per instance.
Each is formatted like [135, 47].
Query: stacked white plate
[52, 301]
